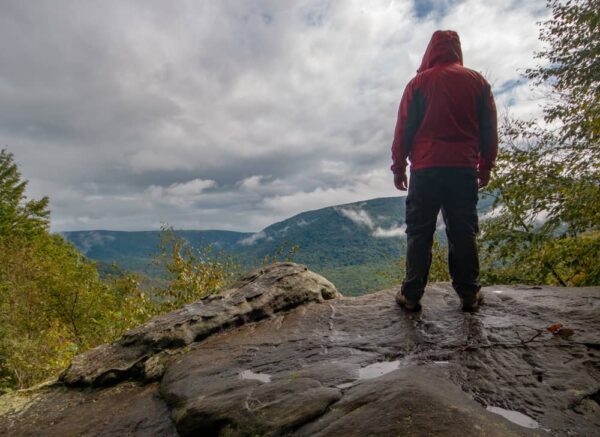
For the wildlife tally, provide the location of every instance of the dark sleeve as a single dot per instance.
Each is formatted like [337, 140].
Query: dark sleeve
[488, 129]
[410, 115]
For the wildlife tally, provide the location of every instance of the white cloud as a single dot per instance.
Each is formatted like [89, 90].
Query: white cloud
[336, 168]
[93, 239]
[360, 216]
[492, 213]
[375, 183]
[263, 185]
[249, 241]
[393, 232]
[190, 188]
[182, 194]
[252, 182]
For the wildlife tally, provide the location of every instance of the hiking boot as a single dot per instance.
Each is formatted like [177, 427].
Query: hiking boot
[408, 304]
[471, 303]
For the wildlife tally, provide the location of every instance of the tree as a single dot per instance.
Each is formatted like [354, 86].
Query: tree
[572, 71]
[52, 301]
[190, 273]
[572, 75]
[438, 271]
[18, 216]
[540, 211]
[546, 223]
[53, 306]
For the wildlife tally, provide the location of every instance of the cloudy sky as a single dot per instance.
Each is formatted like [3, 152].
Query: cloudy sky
[228, 114]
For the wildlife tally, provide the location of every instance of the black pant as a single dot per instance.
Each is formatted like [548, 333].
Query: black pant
[454, 190]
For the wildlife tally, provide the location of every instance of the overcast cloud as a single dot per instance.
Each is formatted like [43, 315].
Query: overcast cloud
[229, 114]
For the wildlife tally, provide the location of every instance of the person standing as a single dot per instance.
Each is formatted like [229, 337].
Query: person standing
[447, 128]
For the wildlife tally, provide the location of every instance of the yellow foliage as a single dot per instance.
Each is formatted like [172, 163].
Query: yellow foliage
[53, 306]
[192, 273]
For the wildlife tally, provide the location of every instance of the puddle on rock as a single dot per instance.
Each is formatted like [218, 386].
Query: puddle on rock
[345, 385]
[249, 374]
[377, 369]
[515, 417]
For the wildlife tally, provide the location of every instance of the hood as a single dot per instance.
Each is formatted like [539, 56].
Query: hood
[444, 48]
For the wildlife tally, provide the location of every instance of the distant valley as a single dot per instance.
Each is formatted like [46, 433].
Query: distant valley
[355, 245]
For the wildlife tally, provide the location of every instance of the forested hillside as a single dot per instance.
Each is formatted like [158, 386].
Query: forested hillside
[355, 244]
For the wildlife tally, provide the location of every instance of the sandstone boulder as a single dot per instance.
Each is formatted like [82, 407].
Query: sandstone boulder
[256, 296]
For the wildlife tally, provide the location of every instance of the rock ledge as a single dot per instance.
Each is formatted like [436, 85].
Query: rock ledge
[258, 295]
[313, 363]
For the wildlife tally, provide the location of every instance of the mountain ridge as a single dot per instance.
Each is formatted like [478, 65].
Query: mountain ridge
[344, 242]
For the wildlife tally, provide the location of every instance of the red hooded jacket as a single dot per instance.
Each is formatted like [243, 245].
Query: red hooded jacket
[447, 116]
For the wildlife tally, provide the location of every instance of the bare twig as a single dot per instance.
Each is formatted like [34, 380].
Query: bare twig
[536, 335]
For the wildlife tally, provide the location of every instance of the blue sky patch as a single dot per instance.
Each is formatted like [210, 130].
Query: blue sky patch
[267, 18]
[439, 8]
[315, 15]
[508, 86]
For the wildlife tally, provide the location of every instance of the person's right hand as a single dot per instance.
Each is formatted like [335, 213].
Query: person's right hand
[400, 181]
[483, 177]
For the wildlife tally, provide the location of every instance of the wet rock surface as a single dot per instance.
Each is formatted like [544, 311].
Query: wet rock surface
[348, 367]
[410, 401]
[256, 296]
[127, 409]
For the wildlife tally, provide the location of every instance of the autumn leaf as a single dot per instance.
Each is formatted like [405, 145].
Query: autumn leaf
[554, 328]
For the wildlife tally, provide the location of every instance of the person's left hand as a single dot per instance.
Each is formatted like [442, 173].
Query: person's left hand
[483, 177]
[400, 181]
